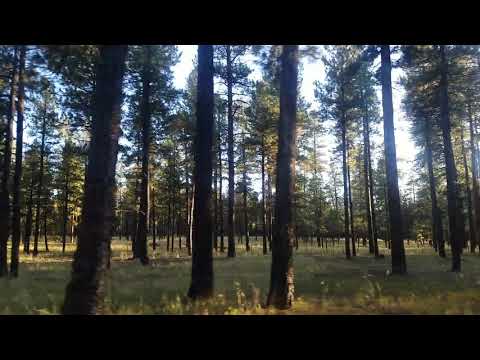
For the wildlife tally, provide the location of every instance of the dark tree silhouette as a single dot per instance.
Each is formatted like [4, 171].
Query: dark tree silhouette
[18, 166]
[476, 195]
[457, 232]
[264, 203]
[437, 227]
[66, 151]
[281, 281]
[399, 264]
[40, 180]
[85, 292]
[345, 175]
[368, 178]
[7, 161]
[143, 215]
[202, 246]
[29, 219]
[231, 161]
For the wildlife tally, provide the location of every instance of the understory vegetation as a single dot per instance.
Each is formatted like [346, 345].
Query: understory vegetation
[325, 283]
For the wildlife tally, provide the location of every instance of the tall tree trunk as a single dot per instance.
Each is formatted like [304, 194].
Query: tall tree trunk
[471, 222]
[202, 257]
[40, 182]
[437, 228]
[231, 161]
[169, 220]
[269, 210]
[399, 263]
[215, 207]
[335, 193]
[45, 228]
[16, 218]
[7, 161]
[119, 214]
[134, 228]
[456, 233]
[189, 218]
[154, 220]
[245, 204]
[173, 193]
[174, 221]
[476, 194]
[318, 209]
[477, 150]
[179, 222]
[192, 208]
[65, 210]
[281, 281]
[86, 290]
[350, 205]
[372, 201]
[387, 224]
[220, 196]
[367, 176]
[143, 215]
[71, 229]
[264, 210]
[29, 220]
[345, 182]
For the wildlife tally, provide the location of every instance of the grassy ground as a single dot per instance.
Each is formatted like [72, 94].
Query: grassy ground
[325, 283]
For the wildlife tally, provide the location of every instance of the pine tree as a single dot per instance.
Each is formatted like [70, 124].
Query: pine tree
[86, 290]
[18, 165]
[281, 281]
[202, 257]
[399, 265]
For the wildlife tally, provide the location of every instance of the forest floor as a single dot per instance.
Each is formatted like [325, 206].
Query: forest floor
[325, 283]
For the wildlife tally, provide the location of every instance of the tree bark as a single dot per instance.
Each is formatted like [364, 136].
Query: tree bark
[264, 210]
[372, 201]
[45, 228]
[169, 219]
[65, 216]
[40, 182]
[456, 233]
[17, 178]
[86, 290]
[202, 257]
[345, 181]
[7, 161]
[399, 264]
[134, 229]
[192, 208]
[215, 208]
[143, 215]
[437, 228]
[29, 219]
[367, 177]
[318, 208]
[154, 220]
[231, 161]
[350, 204]
[476, 195]
[269, 210]
[65, 203]
[220, 196]
[281, 292]
[245, 204]
[471, 222]
[189, 218]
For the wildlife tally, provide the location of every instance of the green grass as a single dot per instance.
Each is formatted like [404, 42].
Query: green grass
[325, 283]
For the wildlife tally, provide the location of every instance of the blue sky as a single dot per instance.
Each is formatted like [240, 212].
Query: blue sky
[313, 71]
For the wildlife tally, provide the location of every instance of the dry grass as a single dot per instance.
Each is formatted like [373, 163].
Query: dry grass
[325, 283]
